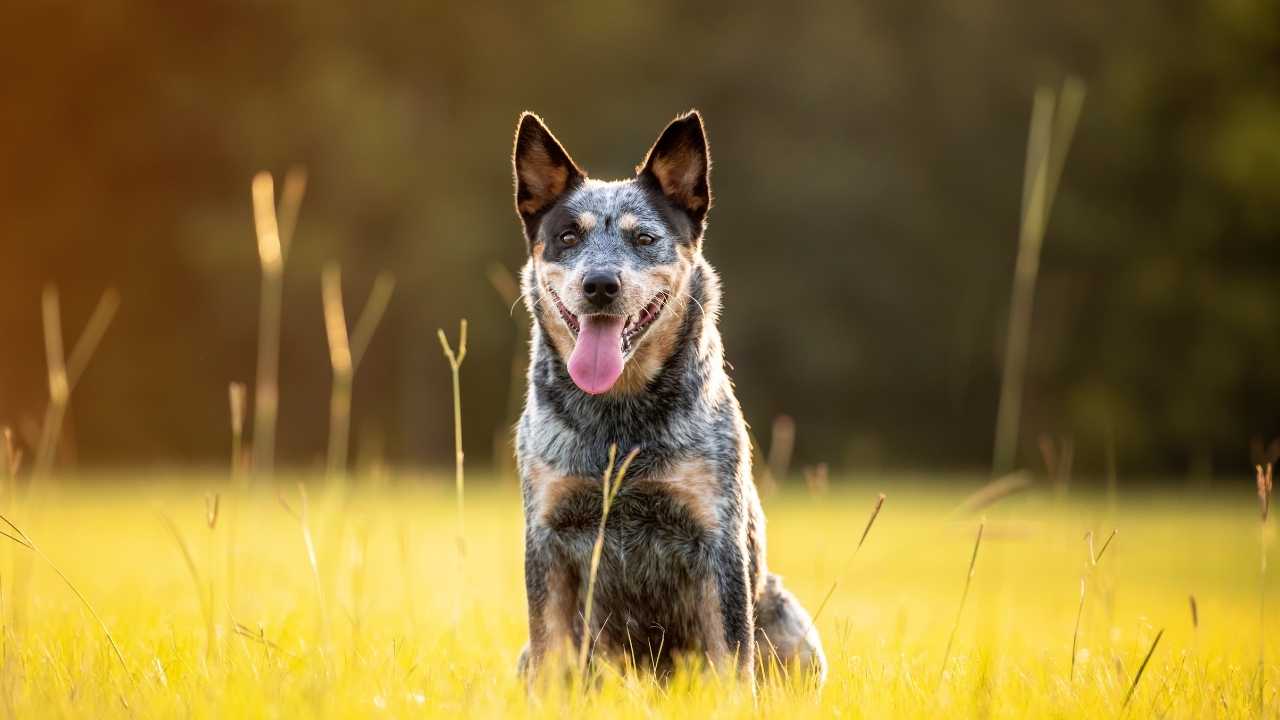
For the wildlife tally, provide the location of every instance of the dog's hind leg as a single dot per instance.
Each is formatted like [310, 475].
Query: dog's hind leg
[785, 633]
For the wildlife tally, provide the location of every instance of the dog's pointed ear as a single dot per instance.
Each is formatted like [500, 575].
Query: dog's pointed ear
[543, 171]
[680, 165]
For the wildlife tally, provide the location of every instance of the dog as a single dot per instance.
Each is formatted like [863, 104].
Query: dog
[626, 354]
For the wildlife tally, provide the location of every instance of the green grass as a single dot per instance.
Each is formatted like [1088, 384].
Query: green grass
[399, 627]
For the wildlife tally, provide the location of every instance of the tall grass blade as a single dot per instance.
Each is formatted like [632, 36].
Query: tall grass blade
[871, 520]
[1142, 668]
[1266, 486]
[205, 602]
[25, 540]
[964, 597]
[64, 374]
[1075, 635]
[1084, 580]
[345, 354]
[610, 486]
[455, 364]
[273, 247]
[302, 515]
[1053, 120]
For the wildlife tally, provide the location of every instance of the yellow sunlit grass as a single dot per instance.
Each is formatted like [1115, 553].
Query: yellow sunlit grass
[366, 620]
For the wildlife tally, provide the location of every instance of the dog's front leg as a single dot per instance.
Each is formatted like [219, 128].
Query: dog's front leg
[553, 600]
[729, 629]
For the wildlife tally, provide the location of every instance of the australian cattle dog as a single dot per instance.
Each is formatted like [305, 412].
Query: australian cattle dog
[626, 353]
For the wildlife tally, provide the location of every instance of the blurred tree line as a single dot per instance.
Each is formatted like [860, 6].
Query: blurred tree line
[869, 161]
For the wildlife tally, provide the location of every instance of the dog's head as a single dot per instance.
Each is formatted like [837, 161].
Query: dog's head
[609, 261]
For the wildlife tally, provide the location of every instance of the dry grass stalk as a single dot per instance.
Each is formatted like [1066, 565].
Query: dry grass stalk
[1142, 668]
[1084, 580]
[1075, 635]
[610, 486]
[782, 445]
[12, 464]
[817, 479]
[237, 393]
[1053, 122]
[995, 491]
[64, 373]
[25, 540]
[274, 239]
[302, 515]
[346, 352]
[260, 637]
[407, 576]
[212, 510]
[964, 596]
[455, 364]
[1266, 486]
[1093, 559]
[871, 520]
[295, 188]
[203, 590]
[1058, 455]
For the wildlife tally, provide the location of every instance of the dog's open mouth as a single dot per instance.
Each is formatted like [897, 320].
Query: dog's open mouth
[602, 342]
[633, 328]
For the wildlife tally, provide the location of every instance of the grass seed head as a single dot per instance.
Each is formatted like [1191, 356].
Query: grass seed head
[1265, 487]
[237, 393]
[875, 513]
[265, 223]
[211, 503]
[12, 454]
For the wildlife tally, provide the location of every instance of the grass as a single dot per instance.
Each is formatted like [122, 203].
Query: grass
[455, 368]
[366, 622]
[346, 352]
[610, 486]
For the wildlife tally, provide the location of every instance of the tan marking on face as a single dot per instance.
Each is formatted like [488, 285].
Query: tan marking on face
[659, 341]
[544, 178]
[693, 484]
[628, 222]
[545, 274]
[587, 221]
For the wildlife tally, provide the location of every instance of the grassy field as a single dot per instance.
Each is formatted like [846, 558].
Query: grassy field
[391, 622]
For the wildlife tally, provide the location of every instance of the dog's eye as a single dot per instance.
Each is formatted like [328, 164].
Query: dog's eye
[569, 238]
[644, 239]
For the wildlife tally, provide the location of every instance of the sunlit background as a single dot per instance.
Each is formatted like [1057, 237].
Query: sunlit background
[868, 174]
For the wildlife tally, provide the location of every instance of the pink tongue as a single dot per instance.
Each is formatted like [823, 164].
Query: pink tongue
[596, 362]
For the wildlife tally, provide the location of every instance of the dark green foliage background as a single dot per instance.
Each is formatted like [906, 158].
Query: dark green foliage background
[868, 162]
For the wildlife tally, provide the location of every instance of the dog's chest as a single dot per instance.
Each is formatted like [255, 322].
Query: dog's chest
[661, 524]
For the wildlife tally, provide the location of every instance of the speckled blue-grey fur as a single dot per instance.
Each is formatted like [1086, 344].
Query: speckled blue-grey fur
[666, 558]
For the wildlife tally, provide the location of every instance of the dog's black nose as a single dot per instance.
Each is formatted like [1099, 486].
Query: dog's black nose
[601, 286]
